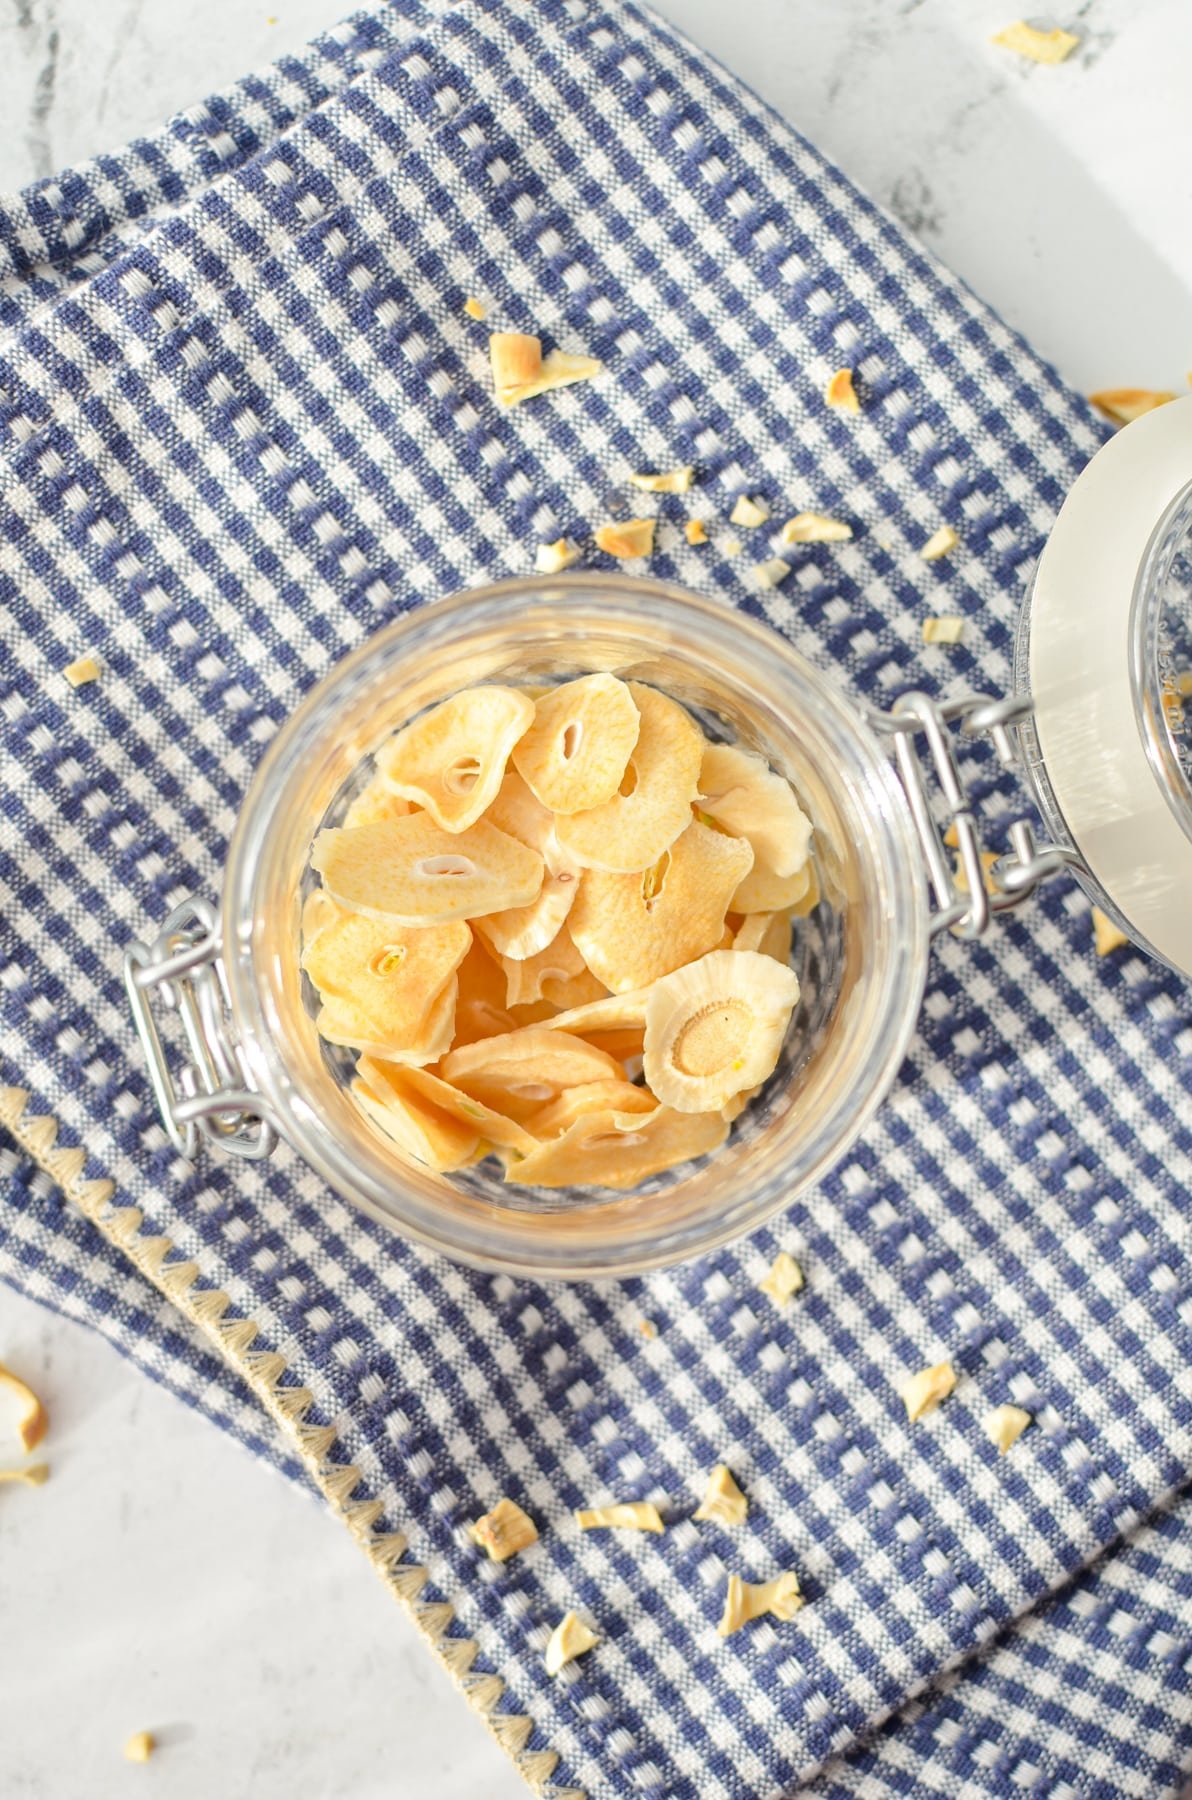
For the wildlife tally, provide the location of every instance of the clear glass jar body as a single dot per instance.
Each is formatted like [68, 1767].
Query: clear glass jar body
[861, 955]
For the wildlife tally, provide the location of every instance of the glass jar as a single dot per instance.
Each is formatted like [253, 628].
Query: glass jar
[1099, 712]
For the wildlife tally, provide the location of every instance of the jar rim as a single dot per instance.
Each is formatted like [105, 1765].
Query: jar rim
[524, 606]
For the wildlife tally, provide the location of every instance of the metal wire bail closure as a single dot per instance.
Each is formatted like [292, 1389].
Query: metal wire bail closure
[210, 1097]
[967, 911]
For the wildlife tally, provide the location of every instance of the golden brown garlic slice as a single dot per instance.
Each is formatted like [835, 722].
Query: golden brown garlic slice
[621, 1149]
[629, 832]
[575, 752]
[520, 1072]
[411, 872]
[745, 796]
[452, 759]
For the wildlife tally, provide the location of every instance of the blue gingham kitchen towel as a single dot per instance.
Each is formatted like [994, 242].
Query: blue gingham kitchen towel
[243, 421]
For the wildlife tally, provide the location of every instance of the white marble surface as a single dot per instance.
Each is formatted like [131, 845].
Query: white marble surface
[1063, 195]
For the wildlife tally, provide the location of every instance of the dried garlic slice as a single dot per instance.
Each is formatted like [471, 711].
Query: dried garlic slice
[480, 1009]
[940, 543]
[552, 559]
[32, 1420]
[620, 1149]
[746, 1600]
[716, 1026]
[558, 1116]
[619, 1012]
[626, 539]
[763, 891]
[140, 1747]
[695, 531]
[815, 528]
[452, 759]
[723, 1501]
[841, 393]
[411, 872]
[670, 481]
[946, 629]
[504, 1530]
[1037, 46]
[389, 975]
[1107, 936]
[784, 1280]
[924, 1391]
[519, 1072]
[569, 1639]
[423, 1089]
[1121, 405]
[525, 931]
[341, 1023]
[746, 797]
[633, 928]
[524, 975]
[749, 513]
[575, 753]
[653, 803]
[769, 933]
[1005, 1425]
[627, 1515]
[417, 1126]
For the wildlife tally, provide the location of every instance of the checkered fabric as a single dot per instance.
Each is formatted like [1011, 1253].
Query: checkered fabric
[243, 421]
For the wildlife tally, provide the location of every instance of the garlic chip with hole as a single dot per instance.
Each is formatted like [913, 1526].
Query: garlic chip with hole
[413, 873]
[652, 805]
[574, 754]
[452, 759]
[742, 793]
[559, 1115]
[520, 1072]
[388, 975]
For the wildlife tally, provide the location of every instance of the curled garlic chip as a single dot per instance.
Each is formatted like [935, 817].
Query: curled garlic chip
[841, 393]
[558, 1116]
[1106, 935]
[695, 531]
[452, 759]
[619, 1012]
[939, 543]
[815, 528]
[1005, 1425]
[419, 1128]
[947, 628]
[627, 539]
[749, 513]
[784, 1280]
[1121, 405]
[31, 1420]
[670, 481]
[569, 1639]
[1037, 46]
[771, 573]
[525, 976]
[746, 1600]
[426, 1093]
[81, 671]
[504, 1531]
[630, 1515]
[33, 1474]
[723, 1500]
[716, 1026]
[140, 1747]
[924, 1391]
[744, 796]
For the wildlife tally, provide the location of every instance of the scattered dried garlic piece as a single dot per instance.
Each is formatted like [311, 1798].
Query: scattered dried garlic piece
[815, 528]
[669, 481]
[629, 1515]
[140, 1747]
[474, 308]
[1121, 405]
[1106, 935]
[1037, 46]
[746, 1600]
[35, 1475]
[695, 531]
[960, 873]
[841, 393]
[648, 1328]
[1005, 1425]
[784, 1280]
[771, 573]
[632, 537]
[723, 1500]
[947, 628]
[32, 1421]
[504, 1531]
[552, 559]
[732, 546]
[749, 512]
[81, 671]
[924, 1391]
[569, 1639]
[939, 543]
[520, 371]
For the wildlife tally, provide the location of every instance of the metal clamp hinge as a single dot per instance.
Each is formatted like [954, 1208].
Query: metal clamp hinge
[965, 894]
[211, 1096]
